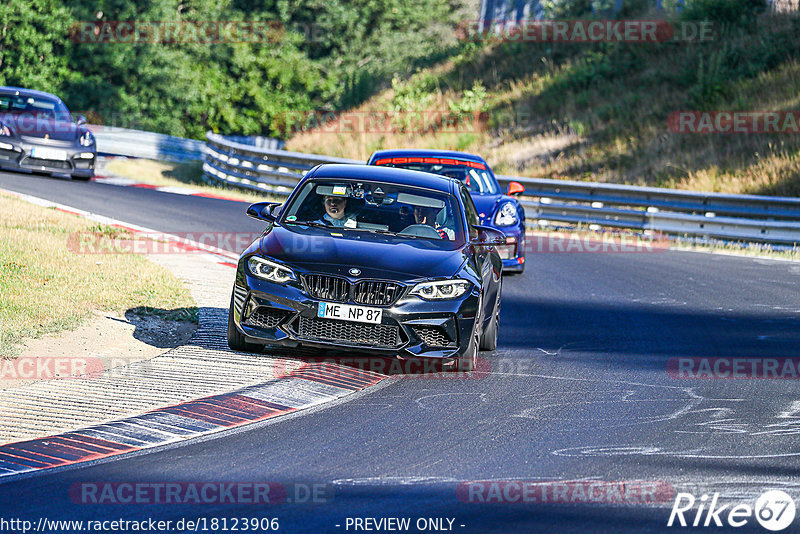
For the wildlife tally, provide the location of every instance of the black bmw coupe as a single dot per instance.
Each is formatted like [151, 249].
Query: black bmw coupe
[371, 260]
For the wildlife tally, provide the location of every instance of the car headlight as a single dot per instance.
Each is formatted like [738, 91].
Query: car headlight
[506, 215]
[5, 131]
[87, 139]
[270, 271]
[441, 290]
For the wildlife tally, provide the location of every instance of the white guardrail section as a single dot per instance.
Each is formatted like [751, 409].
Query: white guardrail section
[140, 144]
[649, 209]
[261, 169]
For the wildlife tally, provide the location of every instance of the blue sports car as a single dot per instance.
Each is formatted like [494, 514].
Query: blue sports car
[497, 210]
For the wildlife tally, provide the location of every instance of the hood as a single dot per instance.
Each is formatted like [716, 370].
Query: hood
[377, 256]
[487, 204]
[29, 126]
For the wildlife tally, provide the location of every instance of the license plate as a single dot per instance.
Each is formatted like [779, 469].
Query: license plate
[48, 153]
[346, 312]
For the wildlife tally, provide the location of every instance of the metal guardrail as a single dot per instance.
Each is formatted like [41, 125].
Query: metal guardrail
[140, 144]
[669, 211]
[648, 209]
[260, 169]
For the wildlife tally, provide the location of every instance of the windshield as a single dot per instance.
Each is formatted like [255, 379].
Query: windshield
[478, 181]
[384, 208]
[34, 106]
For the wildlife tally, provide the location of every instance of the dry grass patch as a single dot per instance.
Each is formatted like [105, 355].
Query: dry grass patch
[45, 287]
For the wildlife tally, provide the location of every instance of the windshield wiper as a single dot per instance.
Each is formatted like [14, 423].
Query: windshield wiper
[312, 224]
[399, 234]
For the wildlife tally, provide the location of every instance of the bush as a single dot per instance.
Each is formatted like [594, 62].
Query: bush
[734, 12]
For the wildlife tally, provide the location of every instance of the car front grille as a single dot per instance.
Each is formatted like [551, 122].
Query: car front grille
[432, 336]
[326, 287]
[376, 293]
[265, 317]
[49, 163]
[366, 292]
[47, 142]
[350, 333]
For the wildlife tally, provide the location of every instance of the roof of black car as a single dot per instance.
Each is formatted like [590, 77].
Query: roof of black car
[385, 174]
[26, 92]
[424, 152]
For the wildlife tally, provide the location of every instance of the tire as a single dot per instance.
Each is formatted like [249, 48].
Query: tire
[236, 340]
[466, 363]
[81, 178]
[489, 336]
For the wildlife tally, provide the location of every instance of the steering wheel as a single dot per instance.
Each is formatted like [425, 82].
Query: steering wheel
[421, 230]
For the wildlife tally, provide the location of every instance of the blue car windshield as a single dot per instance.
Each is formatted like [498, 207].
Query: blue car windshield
[378, 207]
[34, 106]
[478, 181]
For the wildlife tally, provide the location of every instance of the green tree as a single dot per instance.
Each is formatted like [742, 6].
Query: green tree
[32, 37]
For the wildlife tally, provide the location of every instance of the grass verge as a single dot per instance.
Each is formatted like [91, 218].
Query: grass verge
[47, 288]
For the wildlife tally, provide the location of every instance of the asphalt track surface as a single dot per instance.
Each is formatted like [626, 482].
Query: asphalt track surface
[577, 390]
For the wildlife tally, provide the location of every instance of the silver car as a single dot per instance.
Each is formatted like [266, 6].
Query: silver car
[38, 133]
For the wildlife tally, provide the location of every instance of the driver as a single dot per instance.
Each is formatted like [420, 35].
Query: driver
[427, 215]
[336, 212]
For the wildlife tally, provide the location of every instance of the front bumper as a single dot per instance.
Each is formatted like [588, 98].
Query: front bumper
[285, 315]
[16, 154]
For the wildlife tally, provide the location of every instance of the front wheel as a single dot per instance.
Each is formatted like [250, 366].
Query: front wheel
[489, 336]
[236, 340]
[466, 363]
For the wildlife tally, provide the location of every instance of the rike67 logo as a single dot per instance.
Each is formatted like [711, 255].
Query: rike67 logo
[774, 510]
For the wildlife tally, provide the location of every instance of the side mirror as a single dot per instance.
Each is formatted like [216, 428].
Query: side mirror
[263, 211]
[80, 120]
[488, 236]
[515, 188]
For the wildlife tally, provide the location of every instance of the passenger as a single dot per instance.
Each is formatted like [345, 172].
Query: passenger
[428, 215]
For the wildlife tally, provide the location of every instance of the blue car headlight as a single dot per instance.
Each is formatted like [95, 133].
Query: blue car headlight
[269, 270]
[506, 215]
[87, 139]
[441, 290]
